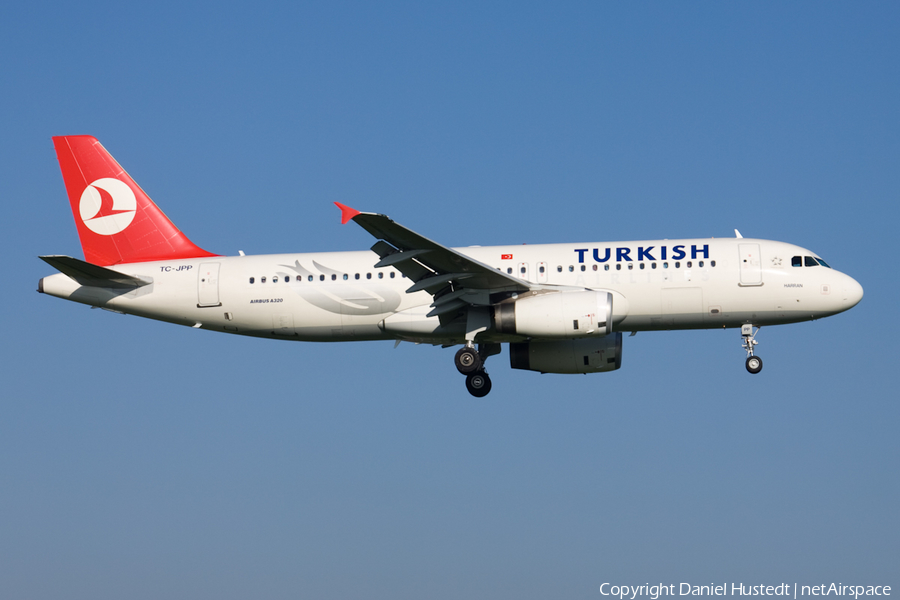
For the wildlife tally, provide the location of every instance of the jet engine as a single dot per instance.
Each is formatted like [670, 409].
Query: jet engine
[557, 315]
[583, 355]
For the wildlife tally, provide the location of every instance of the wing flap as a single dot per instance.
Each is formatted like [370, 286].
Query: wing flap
[437, 282]
[398, 257]
[447, 307]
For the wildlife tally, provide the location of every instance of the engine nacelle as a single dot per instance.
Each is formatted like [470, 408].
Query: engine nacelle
[583, 355]
[557, 315]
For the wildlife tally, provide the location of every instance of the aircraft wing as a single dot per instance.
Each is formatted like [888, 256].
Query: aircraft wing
[452, 278]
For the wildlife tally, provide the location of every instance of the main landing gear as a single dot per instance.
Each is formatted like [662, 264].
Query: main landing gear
[754, 363]
[470, 362]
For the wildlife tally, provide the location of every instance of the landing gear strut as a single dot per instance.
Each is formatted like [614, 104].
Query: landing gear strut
[470, 362]
[754, 363]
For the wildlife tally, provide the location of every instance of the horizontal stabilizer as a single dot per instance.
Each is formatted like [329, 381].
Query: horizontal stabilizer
[91, 275]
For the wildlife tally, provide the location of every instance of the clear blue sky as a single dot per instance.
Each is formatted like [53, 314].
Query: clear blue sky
[143, 460]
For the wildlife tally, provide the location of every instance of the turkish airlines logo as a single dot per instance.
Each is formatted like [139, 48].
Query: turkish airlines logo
[107, 206]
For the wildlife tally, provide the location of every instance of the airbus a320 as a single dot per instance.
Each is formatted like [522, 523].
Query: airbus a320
[562, 308]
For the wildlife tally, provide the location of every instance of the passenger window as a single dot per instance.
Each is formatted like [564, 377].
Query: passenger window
[712, 263]
[630, 266]
[700, 264]
[796, 262]
[642, 266]
[346, 277]
[262, 279]
[678, 264]
[252, 280]
[522, 270]
[652, 265]
[368, 276]
[571, 268]
[321, 278]
[380, 275]
[310, 278]
[606, 267]
[665, 265]
[618, 267]
[356, 276]
[595, 267]
[689, 264]
[392, 274]
[809, 261]
[275, 279]
[541, 269]
[509, 270]
[559, 269]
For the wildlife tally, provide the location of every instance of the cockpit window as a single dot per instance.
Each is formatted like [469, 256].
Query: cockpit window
[797, 261]
[823, 263]
[809, 261]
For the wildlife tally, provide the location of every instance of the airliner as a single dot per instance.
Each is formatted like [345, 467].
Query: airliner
[562, 308]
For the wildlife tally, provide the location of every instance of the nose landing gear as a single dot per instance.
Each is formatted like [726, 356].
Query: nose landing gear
[754, 363]
[470, 362]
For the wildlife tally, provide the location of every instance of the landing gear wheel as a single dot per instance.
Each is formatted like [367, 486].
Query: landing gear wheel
[754, 364]
[467, 360]
[478, 384]
[748, 341]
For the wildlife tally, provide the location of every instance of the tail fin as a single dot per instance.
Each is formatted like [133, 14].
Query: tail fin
[117, 222]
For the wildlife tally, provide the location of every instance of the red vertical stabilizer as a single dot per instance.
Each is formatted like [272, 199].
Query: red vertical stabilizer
[117, 222]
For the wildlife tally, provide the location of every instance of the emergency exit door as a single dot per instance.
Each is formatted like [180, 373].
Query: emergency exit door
[522, 271]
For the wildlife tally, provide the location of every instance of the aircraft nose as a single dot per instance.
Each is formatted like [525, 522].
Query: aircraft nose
[853, 292]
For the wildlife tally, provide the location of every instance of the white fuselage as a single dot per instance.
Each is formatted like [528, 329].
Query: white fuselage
[340, 296]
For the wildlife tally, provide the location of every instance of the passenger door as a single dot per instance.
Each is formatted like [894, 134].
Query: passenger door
[208, 285]
[751, 268]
